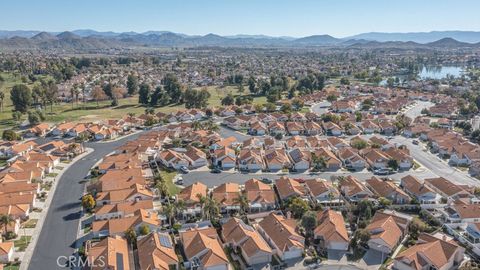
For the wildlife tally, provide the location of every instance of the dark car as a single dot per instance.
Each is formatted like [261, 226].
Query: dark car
[216, 170]
[266, 181]
[415, 142]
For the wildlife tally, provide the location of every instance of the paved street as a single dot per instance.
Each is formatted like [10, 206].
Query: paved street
[321, 107]
[58, 235]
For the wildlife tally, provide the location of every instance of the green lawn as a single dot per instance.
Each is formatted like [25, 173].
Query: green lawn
[30, 224]
[93, 111]
[22, 243]
[12, 266]
[168, 177]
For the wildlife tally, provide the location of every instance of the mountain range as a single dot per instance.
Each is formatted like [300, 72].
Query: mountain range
[94, 40]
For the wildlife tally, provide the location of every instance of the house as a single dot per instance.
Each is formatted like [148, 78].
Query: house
[173, 159]
[402, 156]
[196, 157]
[39, 130]
[113, 227]
[430, 252]
[289, 188]
[134, 193]
[62, 129]
[386, 231]
[387, 189]
[351, 159]
[448, 189]
[109, 253]
[281, 235]
[243, 237]
[461, 213]
[294, 128]
[331, 231]
[353, 189]
[326, 159]
[6, 251]
[202, 249]
[260, 196]
[224, 158]
[369, 127]
[251, 160]
[276, 159]
[421, 192]
[226, 195]
[157, 251]
[276, 128]
[122, 209]
[257, 128]
[332, 129]
[301, 159]
[375, 158]
[323, 192]
[191, 196]
[312, 129]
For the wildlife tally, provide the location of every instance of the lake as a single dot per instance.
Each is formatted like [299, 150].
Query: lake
[440, 72]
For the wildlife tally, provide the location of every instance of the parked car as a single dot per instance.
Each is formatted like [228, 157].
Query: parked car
[383, 171]
[180, 181]
[415, 142]
[184, 169]
[216, 170]
[266, 181]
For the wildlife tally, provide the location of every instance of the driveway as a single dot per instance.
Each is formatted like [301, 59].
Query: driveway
[373, 259]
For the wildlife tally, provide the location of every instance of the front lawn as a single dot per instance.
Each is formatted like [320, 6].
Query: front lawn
[168, 177]
[22, 243]
[30, 224]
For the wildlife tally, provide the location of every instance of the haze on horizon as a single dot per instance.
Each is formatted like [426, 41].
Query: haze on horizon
[267, 17]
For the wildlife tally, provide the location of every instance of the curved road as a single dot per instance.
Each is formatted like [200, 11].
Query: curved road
[59, 231]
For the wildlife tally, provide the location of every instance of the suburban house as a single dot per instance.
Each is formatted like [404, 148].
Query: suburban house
[226, 195]
[353, 189]
[387, 189]
[191, 196]
[323, 192]
[289, 188]
[281, 235]
[423, 193]
[448, 189]
[261, 197]
[331, 231]
[111, 252]
[157, 251]
[203, 250]
[430, 252]
[387, 231]
[238, 235]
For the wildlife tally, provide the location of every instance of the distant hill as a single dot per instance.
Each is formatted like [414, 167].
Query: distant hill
[420, 37]
[94, 40]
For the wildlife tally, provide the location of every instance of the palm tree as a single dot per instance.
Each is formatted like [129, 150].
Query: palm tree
[211, 208]
[242, 200]
[6, 220]
[169, 211]
[202, 200]
[196, 125]
[162, 188]
[2, 97]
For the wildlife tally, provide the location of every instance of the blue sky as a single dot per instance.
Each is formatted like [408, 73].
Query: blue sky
[226, 17]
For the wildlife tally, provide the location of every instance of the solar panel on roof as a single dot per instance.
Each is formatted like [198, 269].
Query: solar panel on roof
[165, 241]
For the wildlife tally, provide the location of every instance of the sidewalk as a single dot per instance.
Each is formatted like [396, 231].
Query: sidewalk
[41, 217]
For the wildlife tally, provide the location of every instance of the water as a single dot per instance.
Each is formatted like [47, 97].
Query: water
[440, 72]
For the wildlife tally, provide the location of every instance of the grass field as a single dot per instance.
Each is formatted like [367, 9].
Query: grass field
[91, 111]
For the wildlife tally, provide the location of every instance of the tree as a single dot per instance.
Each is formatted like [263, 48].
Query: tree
[416, 227]
[173, 87]
[270, 107]
[108, 90]
[9, 135]
[243, 202]
[359, 144]
[297, 104]
[211, 209]
[2, 98]
[331, 98]
[252, 85]
[393, 164]
[6, 220]
[384, 202]
[309, 222]
[98, 94]
[131, 236]
[298, 207]
[169, 211]
[228, 100]
[132, 84]
[144, 229]
[144, 94]
[88, 202]
[21, 97]
[286, 108]
[344, 81]
[34, 118]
